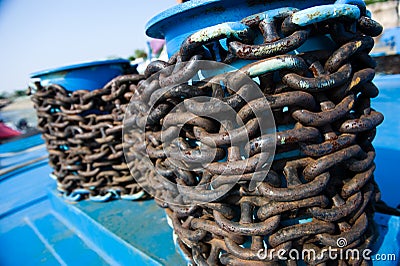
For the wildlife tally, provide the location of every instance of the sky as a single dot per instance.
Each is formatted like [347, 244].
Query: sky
[41, 34]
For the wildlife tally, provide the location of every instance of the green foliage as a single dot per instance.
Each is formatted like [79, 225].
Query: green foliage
[138, 53]
[19, 93]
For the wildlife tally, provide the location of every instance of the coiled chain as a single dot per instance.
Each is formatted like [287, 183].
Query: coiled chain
[320, 186]
[83, 134]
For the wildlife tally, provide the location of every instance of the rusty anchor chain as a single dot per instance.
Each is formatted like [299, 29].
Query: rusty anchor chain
[83, 134]
[320, 186]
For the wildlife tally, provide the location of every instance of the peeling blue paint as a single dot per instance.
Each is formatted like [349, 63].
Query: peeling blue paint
[321, 13]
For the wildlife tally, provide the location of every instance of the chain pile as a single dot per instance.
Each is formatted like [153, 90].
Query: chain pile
[83, 134]
[320, 187]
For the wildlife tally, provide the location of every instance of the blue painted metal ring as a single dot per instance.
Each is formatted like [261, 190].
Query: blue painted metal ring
[85, 76]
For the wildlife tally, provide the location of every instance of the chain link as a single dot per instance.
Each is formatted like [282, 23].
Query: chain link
[321, 185]
[83, 134]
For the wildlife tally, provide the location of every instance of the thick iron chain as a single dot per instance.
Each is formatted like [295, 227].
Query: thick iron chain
[83, 133]
[321, 185]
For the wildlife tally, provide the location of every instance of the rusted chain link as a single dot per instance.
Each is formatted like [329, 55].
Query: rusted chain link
[83, 134]
[321, 185]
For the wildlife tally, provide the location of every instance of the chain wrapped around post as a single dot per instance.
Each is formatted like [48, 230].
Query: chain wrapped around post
[320, 187]
[83, 134]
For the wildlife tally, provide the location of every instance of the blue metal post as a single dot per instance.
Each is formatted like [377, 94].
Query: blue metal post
[85, 76]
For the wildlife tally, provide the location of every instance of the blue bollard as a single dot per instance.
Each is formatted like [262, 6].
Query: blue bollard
[85, 76]
[219, 17]
[177, 23]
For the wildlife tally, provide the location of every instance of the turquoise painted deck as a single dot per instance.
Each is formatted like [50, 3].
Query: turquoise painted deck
[37, 226]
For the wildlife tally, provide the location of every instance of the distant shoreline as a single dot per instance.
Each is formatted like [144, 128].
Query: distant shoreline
[20, 108]
[20, 103]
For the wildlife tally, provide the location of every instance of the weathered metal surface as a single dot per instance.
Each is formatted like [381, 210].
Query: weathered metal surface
[88, 75]
[83, 134]
[175, 24]
[320, 186]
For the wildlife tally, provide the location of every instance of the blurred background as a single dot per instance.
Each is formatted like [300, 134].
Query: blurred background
[43, 34]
